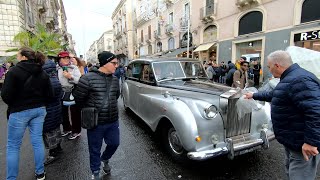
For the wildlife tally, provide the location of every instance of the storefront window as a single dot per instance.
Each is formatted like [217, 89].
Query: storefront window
[313, 45]
[252, 51]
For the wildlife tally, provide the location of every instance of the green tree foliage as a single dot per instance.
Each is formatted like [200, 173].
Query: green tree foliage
[48, 43]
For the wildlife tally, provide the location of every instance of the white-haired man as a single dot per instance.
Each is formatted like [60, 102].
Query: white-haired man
[295, 113]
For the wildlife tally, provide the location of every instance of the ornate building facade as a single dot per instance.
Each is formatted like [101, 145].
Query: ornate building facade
[21, 15]
[222, 30]
[104, 43]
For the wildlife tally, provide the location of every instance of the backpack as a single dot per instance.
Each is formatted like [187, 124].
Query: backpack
[229, 78]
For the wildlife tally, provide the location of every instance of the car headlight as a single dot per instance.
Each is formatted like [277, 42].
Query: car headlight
[211, 111]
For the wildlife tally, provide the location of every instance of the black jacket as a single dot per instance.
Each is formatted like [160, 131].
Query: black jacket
[295, 108]
[91, 90]
[26, 86]
[54, 115]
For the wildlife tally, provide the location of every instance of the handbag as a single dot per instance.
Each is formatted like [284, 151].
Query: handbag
[67, 97]
[90, 115]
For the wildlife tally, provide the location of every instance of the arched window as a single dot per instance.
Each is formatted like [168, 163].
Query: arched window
[210, 34]
[310, 11]
[159, 46]
[171, 43]
[250, 23]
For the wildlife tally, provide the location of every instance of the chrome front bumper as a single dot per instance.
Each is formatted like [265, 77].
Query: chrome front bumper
[232, 149]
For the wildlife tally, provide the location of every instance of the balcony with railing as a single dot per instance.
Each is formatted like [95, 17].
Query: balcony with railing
[146, 16]
[157, 34]
[169, 29]
[247, 3]
[207, 13]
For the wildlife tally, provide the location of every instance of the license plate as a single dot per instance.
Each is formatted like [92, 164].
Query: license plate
[249, 150]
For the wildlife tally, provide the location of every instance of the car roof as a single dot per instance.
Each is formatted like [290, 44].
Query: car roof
[162, 59]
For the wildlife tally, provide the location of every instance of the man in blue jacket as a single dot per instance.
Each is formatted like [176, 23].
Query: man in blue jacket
[295, 113]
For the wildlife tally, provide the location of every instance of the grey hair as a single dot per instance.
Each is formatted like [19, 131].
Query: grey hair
[280, 57]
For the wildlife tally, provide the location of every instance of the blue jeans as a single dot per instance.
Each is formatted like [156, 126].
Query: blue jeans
[299, 169]
[17, 124]
[108, 132]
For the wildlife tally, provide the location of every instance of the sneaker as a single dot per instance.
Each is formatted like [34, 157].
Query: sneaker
[95, 176]
[50, 159]
[106, 168]
[41, 176]
[74, 136]
[65, 133]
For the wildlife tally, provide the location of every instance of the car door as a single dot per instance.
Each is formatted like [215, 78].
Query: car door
[147, 104]
[134, 85]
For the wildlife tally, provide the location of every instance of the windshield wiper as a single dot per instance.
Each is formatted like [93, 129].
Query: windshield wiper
[195, 77]
[166, 79]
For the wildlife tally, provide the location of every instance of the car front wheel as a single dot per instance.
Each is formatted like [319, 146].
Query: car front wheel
[173, 145]
[124, 104]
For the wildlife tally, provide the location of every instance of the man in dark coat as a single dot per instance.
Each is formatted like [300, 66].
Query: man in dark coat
[91, 92]
[51, 127]
[295, 113]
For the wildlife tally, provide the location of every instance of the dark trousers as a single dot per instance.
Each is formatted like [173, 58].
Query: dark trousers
[108, 132]
[75, 113]
[256, 79]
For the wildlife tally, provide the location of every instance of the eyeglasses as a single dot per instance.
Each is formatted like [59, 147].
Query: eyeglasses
[114, 63]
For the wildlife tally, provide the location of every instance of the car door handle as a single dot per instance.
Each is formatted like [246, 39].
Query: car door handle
[138, 86]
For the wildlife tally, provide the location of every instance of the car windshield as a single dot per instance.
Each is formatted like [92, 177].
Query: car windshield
[172, 70]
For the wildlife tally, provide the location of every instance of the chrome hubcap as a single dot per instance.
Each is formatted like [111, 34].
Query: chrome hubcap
[174, 141]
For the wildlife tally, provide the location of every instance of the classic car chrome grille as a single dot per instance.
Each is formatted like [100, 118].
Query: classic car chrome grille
[234, 125]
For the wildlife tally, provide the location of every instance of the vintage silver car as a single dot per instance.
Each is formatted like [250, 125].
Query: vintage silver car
[196, 118]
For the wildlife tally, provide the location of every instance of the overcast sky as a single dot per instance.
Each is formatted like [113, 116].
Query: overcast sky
[87, 20]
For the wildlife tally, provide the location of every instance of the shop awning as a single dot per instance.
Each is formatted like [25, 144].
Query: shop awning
[175, 52]
[204, 47]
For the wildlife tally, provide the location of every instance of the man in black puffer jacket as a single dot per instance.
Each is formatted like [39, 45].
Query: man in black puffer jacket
[90, 92]
[295, 113]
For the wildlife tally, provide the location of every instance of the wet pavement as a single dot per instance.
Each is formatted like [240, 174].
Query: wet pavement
[140, 156]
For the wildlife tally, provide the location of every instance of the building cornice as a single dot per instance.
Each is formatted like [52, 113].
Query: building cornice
[118, 8]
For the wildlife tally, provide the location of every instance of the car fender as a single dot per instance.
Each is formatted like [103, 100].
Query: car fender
[124, 91]
[183, 120]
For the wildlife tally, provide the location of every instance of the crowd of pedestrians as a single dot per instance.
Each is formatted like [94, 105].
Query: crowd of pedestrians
[241, 74]
[43, 94]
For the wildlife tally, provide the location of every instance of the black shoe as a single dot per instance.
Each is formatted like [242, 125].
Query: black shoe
[58, 150]
[50, 159]
[41, 176]
[106, 168]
